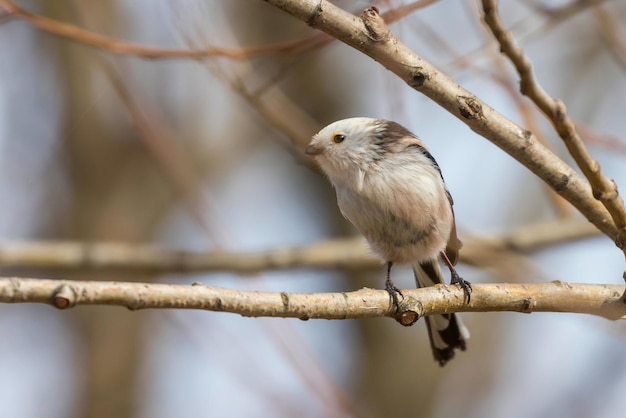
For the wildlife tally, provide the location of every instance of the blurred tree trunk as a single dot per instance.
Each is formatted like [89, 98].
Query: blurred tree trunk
[107, 167]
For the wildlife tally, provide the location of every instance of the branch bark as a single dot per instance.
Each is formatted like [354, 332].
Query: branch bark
[370, 35]
[601, 300]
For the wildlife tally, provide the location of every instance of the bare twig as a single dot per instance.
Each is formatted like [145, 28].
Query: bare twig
[601, 300]
[601, 139]
[156, 136]
[556, 16]
[604, 189]
[120, 47]
[613, 33]
[347, 253]
[400, 12]
[528, 114]
[371, 36]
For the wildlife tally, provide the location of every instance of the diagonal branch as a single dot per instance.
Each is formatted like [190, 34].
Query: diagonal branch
[370, 35]
[601, 300]
[604, 189]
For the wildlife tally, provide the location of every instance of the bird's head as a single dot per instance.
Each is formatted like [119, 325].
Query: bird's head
[349, 147]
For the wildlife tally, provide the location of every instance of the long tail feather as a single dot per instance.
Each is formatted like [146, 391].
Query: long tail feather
[446, 332]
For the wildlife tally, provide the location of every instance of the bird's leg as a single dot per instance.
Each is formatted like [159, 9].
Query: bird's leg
[391, 288]
[456, 279]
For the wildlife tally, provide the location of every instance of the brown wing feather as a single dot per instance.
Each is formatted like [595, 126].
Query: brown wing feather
[454, 243]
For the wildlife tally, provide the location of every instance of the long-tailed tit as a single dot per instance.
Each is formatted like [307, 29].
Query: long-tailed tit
[391, 189]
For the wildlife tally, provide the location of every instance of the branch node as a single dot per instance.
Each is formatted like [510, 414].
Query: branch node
[561, 283]
[374, 23]
[560, 111]
[562, 183]
[409, 311]
[528, 305]
[470, 108]
[418, 77]
[528, 137]
[285, 298]
[312, 20]
[219, 304]
[63, 297]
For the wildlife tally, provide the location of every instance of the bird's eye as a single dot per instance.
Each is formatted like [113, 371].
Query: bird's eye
[338, 138]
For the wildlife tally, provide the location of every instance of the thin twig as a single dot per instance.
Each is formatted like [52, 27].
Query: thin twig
[601, 139]
[604, 189]
[595, 299]
[120, 47]
[166, 152]
[529, 117]
[614, 34]
[555, 17]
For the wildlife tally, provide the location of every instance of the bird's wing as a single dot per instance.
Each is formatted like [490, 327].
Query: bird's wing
[454, 243]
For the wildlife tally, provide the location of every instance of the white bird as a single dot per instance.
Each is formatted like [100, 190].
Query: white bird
[391, 189]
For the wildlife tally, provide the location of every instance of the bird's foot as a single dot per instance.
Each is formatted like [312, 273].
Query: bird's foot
[393, 292]
[463, 284]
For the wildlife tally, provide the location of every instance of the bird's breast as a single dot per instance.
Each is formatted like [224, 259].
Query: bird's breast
[401, 227]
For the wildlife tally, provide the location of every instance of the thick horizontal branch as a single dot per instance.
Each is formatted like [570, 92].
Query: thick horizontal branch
[349, 253]
[370, 35]
[601, 300]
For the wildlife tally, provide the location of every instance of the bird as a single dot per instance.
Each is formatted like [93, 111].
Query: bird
[391, 189]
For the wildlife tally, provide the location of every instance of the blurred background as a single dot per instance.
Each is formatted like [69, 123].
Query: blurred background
[206, 155]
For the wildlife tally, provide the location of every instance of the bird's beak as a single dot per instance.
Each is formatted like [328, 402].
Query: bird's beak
[313, 150]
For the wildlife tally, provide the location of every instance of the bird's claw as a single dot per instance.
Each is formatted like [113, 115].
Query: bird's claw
[463, 284]
[393, 292]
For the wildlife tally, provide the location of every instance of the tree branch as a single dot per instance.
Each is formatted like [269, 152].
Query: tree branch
[350, 253]
[601, 300]
[604, 189]
[121, 47]
[370, 35]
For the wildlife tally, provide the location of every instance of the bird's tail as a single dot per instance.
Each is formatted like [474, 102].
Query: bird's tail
[446, 331]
